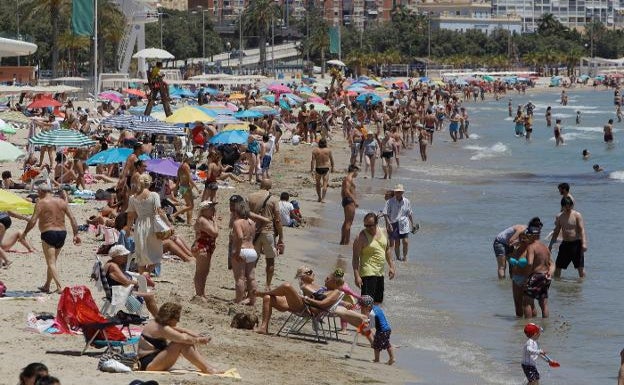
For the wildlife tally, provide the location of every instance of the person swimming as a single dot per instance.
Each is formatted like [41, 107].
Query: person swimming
[586, 154]
[597, 168]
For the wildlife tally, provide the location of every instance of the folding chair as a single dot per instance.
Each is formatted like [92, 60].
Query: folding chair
[296, 321]
[116, 297]
[96, 335]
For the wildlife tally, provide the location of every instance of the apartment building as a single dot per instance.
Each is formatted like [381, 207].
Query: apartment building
[463, 15]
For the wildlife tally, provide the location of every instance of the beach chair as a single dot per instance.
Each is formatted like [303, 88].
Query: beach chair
[97, 335]
[296, 321]
[117, 297]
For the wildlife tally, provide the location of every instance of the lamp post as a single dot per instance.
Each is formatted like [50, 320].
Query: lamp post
[240, 42]
[228, 48]
[203, 12]
[273, 45]
[18, 28]
[160, 20]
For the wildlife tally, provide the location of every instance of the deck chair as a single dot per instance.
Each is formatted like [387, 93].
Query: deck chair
[117, 297]
[296, 321]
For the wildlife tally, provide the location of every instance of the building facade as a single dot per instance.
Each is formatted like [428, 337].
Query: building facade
[178, 5]
[463, 15]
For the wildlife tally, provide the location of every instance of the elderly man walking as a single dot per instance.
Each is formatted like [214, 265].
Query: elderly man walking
[398, 213]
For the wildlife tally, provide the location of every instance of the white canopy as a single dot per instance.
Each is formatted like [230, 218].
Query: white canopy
[10, 47]
[153, 53]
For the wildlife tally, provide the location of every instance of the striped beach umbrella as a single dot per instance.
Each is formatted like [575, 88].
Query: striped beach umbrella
[15, 117]
[61, 138]
[8, 152]
[125, 121]
[156, 127]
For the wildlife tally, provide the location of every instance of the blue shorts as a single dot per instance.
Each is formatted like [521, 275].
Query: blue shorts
[394, 235]
[501, 249]
[266, 162]
[454, 127]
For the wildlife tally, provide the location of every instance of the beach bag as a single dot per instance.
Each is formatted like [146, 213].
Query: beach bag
[2, 289]
[161, 229]
[129, 361]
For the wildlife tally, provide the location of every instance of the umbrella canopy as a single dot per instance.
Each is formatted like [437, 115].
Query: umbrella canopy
[320, 107]
[219, 110]
[226, 119]
[8, 152]
[6, 128]
[14, 116]
[12, 202]
[112, 155]
[265, 110]
[163, 167]
[153, 53]
[62, 137]
[373, 97]
[210, 91]
[135, 92]
[278, 88]
[248, 114]
[237, 96]
[188, 115]
[112, 96]
[237, 126]
[180, 93]
[125, 121]
[335, 62]
[488, 78]
[231, 136]
[156, 127]
[44, 103]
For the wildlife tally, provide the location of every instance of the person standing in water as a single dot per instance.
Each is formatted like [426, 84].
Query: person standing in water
[608, 132]
[557, 132]
[574, 245]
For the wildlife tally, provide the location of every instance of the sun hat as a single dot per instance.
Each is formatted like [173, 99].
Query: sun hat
[366, 300]
[399, 187]
[118, 251]
[531, 329]
[206, 204]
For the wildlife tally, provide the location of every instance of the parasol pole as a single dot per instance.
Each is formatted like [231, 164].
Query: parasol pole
[95, 52]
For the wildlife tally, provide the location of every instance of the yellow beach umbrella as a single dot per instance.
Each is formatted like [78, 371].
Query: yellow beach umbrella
[237, 96]
[12, 202]
[236, 126]
[188, 115]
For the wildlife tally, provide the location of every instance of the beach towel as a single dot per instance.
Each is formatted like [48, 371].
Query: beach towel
[230, 373]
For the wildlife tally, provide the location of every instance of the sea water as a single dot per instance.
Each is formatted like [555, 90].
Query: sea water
[452, 318]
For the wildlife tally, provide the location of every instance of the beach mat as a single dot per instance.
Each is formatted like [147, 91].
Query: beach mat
[230, 373]
[22, 294]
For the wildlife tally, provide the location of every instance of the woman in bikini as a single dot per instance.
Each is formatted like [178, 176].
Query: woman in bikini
[9, 241]
[206, 232]
[162, 342]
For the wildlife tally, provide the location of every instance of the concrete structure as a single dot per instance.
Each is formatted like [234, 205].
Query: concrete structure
[220, 10]
[571, 13]
[10, 47]
[178, 5]
[463, 15]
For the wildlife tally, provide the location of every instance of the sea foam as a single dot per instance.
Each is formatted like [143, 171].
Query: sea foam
[482, 152]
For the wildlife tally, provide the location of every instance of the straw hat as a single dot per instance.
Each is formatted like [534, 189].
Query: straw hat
[399, 187]
[206, 204]
[118, 251]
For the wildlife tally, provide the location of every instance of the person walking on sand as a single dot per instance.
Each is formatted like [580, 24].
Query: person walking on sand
[349, 203]
[50, 212]
[574, 245]
[398, 212]
[206, 233]
[377, 320]
[185, 188]
[371, 252]
[321, 164]
[263, 203]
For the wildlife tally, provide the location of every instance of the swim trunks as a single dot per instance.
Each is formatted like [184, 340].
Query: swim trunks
[531, 372]
[266, 162]
[608, 138]
[537, 286]
[570, 251]
[5, 220]
[394, 235]
[211, 186]
[346, 201]
[387, 154]
[54, 238]
[374, 286]
[322, 170]
[501, 249]
[454, 127]
[381, 340]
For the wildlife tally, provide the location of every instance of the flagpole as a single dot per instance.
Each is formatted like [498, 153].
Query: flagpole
[339, 43]
[95, 52]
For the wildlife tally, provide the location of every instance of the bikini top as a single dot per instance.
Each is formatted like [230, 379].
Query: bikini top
[520, 262]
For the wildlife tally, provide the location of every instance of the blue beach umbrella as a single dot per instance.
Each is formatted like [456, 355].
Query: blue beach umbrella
[112, 155]
[233, 136]
[373, 97]
[248, 114]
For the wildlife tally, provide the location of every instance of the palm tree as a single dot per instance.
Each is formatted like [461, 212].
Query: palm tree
[54, 8]
[72, 44]
[258, 18]
[320, 43]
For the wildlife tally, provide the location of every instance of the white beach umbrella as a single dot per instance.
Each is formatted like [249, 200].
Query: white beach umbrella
[336, 63]
[153, 53]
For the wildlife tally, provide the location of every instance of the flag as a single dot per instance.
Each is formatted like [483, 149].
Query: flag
[82, 17]
[334, 40]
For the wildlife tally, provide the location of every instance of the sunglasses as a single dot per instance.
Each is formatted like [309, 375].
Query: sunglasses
[369, 225]
[309, 272]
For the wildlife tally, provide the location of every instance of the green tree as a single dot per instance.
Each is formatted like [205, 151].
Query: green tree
[53, 10]
[548, 24]
[258, 18]
[319, 43]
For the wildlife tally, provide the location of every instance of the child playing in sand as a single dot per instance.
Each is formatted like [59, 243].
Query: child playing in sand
[530, 352]
[381, 340]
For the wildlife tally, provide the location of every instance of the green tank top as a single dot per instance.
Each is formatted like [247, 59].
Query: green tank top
[373, 258]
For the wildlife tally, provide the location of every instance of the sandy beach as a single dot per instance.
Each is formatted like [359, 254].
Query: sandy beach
[259, 359]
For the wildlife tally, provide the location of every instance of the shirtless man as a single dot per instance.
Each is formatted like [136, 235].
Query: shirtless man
[50, 212]
[574, 245]
[349, 204]
[557, 132]
[541, 265]
[388, 147]
[313, 120]
[608, 132]
[185, 188]
[321, 164]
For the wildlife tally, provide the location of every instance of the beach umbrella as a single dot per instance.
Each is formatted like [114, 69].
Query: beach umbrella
[153, 53]
[278, 88]
[180, 92]
[320, 107]
[44, 103]
[61, 138]
[125, 121]
[6, 128]
[230, 106]
[285, 100]
[265, 110]
[8, 152]
[15, 117]
[488, 78]
[230, 136]
[219, 110]
[112, 155]
[237, 126]
[112, 96]
[189, 115]
[335, 62]
[135, 92]
[163, 167]
[373, 97]
[12, 202]
[156, 127]
[237, 96]
[226, 119]
[210, 91]
[306, 89]
[248, 114]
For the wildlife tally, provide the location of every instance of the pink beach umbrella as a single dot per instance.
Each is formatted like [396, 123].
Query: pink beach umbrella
[112, 96]
[279, 88]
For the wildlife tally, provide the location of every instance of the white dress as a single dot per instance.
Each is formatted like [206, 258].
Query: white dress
[148, 248]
